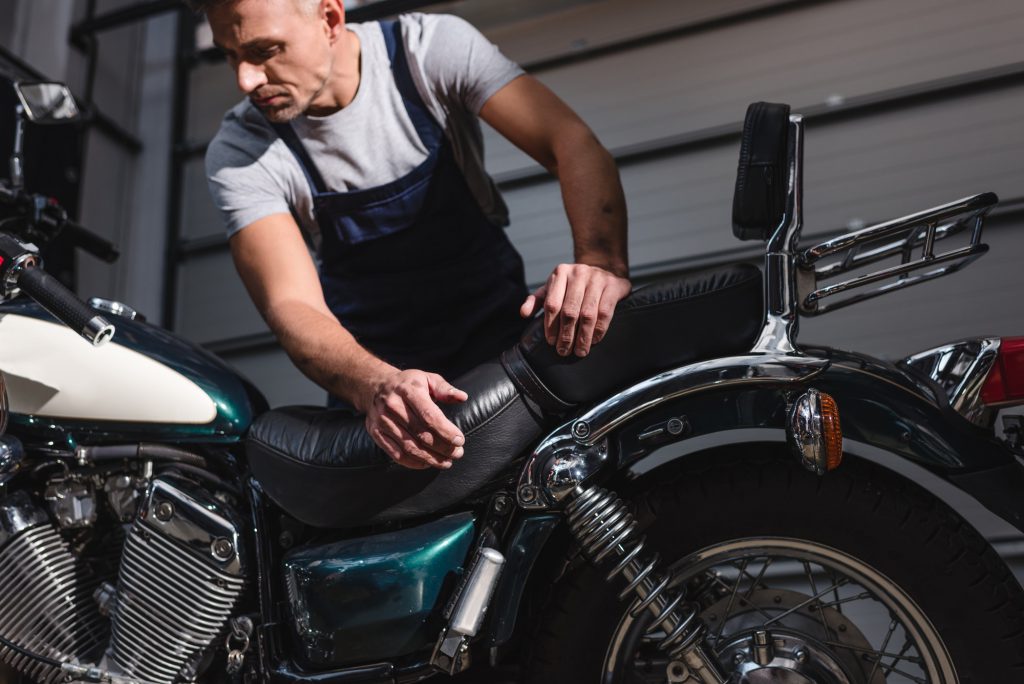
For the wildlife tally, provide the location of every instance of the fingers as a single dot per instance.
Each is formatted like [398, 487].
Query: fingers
[533, 301]
[553, 303]
[442, 390]
[579, 306]
[406, 423]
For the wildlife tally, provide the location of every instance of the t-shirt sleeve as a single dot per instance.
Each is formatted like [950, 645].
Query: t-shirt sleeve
[456, 60]
[241, 186]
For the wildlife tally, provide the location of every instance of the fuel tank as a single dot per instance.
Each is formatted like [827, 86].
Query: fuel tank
[145, 384]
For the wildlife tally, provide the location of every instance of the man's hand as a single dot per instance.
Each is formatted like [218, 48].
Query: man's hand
[402, 417]
[579, 302]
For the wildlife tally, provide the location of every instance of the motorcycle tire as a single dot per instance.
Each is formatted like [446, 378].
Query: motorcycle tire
[920, 557]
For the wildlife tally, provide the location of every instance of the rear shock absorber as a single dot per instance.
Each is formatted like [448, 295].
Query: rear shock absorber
[605, 529]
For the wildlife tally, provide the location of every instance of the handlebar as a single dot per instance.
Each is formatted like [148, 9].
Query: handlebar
[48, 220]
[19, 270]
[65, 305]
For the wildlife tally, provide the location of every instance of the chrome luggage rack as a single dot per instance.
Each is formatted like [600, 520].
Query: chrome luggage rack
[899, 237]
[792, 274]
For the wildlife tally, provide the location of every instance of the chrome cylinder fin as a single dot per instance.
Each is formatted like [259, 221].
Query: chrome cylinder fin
[175, 595]
[46, 604]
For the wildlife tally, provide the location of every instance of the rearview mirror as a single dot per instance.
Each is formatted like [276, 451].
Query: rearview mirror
[47, 103]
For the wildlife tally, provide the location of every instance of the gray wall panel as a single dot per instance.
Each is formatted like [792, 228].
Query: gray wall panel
[280, 381]
[870, 169]
[199, 217]
[212, 91]
[212, 302]
[844, 48]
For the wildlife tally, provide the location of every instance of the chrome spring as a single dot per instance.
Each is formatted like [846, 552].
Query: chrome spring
[604, 527]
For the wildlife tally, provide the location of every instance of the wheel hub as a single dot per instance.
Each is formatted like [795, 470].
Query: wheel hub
[805, 643]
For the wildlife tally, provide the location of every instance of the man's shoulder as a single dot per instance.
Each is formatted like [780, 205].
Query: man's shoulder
[243, 134]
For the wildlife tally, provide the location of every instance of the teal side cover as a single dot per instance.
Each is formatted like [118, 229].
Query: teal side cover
[379, 597]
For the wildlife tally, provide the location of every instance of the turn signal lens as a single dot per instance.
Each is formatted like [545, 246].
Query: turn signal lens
[831, 432]
[814, 432]
[1005, 382]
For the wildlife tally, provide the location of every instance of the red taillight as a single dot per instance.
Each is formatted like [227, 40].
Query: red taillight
[1005, 382]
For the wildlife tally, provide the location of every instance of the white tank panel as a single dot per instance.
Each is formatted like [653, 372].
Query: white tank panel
[54, 373]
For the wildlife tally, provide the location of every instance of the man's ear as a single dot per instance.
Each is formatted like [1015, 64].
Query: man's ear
[332, 12]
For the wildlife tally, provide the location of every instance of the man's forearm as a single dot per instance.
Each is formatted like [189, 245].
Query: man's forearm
[327, 353]
[594, 201]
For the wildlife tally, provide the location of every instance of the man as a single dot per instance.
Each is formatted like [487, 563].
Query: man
[367, 137]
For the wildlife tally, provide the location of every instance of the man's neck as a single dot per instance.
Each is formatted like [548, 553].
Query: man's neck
[343, 81]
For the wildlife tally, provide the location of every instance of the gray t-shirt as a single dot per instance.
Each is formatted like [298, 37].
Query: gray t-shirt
[370, 142]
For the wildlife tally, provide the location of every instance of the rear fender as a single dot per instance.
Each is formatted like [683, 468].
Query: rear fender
[885, 416]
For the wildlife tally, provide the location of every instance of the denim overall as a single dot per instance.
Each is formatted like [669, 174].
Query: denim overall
[413, 268]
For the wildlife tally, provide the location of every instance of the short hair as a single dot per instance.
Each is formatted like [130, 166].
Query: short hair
[204, 6]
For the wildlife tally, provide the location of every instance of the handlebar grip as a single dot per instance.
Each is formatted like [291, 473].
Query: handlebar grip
[92, 243]
[65, 305]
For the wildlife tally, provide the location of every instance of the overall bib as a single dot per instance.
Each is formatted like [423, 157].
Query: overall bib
[413, 268]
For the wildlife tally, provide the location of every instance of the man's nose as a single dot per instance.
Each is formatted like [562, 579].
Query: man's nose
[250, 77]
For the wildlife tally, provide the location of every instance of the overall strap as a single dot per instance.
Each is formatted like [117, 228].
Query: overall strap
[313, 177]
[426, 126]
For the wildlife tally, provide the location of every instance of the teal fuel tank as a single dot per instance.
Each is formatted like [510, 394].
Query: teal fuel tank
[146, 384]
[377, 597]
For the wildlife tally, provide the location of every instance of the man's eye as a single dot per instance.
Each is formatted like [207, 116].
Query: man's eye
[264, 53]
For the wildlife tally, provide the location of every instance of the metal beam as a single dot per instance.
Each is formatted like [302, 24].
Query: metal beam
[121, 17]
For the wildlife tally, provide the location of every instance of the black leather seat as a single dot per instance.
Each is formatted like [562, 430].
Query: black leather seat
[321, 466]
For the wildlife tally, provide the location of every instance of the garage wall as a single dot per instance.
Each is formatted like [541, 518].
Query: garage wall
[908, 105]
[124, 180]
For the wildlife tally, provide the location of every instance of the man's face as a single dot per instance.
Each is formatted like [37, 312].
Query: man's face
[281, 53]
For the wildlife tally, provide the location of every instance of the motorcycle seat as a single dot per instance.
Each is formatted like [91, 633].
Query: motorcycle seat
[321, 466]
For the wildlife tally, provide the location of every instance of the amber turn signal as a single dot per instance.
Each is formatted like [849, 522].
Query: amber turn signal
[814, 431]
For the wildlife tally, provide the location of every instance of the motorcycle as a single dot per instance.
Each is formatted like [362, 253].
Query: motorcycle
[683, 505]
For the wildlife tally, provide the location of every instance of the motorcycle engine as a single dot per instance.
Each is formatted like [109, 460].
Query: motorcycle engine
[181, 574]
[46, 604]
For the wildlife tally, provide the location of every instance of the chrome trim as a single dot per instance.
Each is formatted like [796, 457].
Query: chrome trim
[5, 410]
[898, 237]
[577, 450]
[98, 331]
[198, 521]
[961, 368]
[12, 454]
[781, 369]
[10, 287]
[805, 432]
[780, 288]
[17, 514]
[557, 467]
[116, 308]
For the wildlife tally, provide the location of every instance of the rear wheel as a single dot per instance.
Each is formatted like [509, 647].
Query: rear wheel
[855, 578]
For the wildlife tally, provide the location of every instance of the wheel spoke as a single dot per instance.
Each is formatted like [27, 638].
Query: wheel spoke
[802, 604]
[760, 610]
[732, 599]
[814, 591]
[885, 643]
[877, 654]
[863, 596]
[760, 576]
[906, 647]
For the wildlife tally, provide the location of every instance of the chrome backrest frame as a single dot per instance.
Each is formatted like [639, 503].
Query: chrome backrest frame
[781, 324]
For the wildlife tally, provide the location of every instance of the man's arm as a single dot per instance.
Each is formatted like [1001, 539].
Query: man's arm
[401, 414]
[579, 299]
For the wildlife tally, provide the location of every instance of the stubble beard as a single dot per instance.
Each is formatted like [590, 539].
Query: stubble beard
[293, 110]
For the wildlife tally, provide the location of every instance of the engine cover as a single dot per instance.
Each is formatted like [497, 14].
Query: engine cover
[46, 604]
[181, 575]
